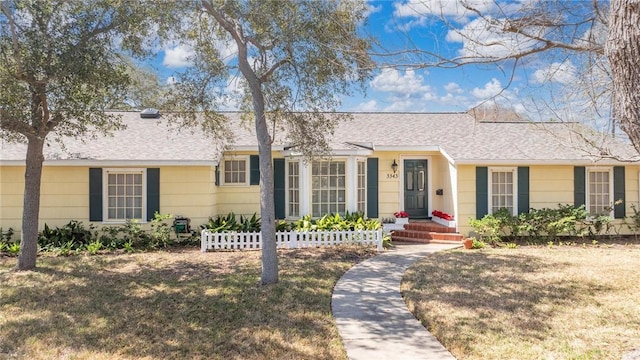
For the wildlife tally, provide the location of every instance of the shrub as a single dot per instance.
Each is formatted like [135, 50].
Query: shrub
[632, 222]
[539, 225]
[160, 231]
[73, 236]
[478, 244]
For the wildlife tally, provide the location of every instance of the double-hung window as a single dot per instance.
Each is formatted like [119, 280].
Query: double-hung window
[599, 191]
[328, 187]
[125, 194]
[502, 190]
[361, 189]
[235, 171]
[293, 188]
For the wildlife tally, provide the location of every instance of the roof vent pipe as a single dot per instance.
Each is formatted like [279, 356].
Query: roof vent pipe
[150, 113]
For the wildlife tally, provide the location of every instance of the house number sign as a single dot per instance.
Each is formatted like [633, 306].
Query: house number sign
[392, 175]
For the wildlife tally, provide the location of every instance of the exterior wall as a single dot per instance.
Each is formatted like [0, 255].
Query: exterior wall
[64, 196]
[390, 185]
[239, 199]
[186, 191]
[466, 197]
[549, 185]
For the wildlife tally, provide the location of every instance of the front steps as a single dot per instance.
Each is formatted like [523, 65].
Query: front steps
[426, 232]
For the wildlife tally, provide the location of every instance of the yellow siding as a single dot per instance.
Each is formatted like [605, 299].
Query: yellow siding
[550, 186]
[466, 197]
[390, 187]
[64, 195]
[186, 191]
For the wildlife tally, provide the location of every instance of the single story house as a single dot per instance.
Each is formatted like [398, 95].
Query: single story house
[381, 163]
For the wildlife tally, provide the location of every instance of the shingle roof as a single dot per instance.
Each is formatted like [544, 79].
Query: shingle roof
[459, 135]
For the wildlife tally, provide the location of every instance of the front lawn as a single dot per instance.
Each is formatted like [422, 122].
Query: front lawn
[533, 302]
[173, 305]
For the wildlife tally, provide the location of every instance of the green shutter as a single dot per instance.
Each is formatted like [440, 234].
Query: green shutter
[95, 194]
[279, 191]
[619, 192]
[216, 175]
[372, 188]
[579, 191]
[153, 192]
[523, 189]
[254, 170]
[482, 191]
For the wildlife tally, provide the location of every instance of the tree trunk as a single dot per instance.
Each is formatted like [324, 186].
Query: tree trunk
[31, 208]
[623, 52]
[267, 209]
[267, 202]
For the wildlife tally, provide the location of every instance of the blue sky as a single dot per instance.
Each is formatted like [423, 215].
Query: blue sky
[405, 24]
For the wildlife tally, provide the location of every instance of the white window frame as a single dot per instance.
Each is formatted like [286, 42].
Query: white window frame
[347, 184]
[306, 183]
[287, 199]
[105, 193]
[247, 170]
[512, 170]
[358, 200]
[609, 171]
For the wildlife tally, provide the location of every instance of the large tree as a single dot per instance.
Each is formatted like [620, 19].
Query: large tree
[293, 58]
[596, 42]
[60, 67]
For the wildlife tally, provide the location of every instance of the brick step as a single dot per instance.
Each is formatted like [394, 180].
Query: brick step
[397, 239]
[426, 235]
[429, 226]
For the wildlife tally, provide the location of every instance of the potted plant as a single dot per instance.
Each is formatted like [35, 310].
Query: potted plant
[468, 242]
[401, 217]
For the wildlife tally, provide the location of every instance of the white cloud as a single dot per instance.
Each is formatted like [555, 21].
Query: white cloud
[563, 73]
[178, 56]
[371, 9]
[484, 38]
[368, 106]
[407, 84]
[453, 88]
[406, 105]
[490, 89]
[447, 8]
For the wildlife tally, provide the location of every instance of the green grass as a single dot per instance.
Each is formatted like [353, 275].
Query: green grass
[173, 305]
[532, 302]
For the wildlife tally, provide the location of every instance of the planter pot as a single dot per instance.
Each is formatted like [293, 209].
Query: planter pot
[468, 243]
[402, 221]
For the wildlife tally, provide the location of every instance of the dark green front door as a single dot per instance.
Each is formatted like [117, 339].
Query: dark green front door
[415, 188]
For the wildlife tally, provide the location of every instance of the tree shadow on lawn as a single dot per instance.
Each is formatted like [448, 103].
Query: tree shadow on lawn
[458, 295]
[194, 306]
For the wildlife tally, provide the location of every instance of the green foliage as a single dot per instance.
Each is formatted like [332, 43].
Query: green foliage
[228, 223]
[132, 236]
[5, 236]
[539, 225]
[5, 240]
[632, 222]
[386, 241]
[73, 235]
[282, 225]
[160, 230]
[13, 248]
[478, 244]
[94, 247]
[351, 221]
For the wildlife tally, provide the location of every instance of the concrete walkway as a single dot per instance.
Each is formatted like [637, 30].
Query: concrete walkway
[371, 315]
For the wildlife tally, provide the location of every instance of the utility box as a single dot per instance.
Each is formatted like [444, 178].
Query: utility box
[182, 225]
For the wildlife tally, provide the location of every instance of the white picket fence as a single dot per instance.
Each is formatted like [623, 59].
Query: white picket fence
[289, 239]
